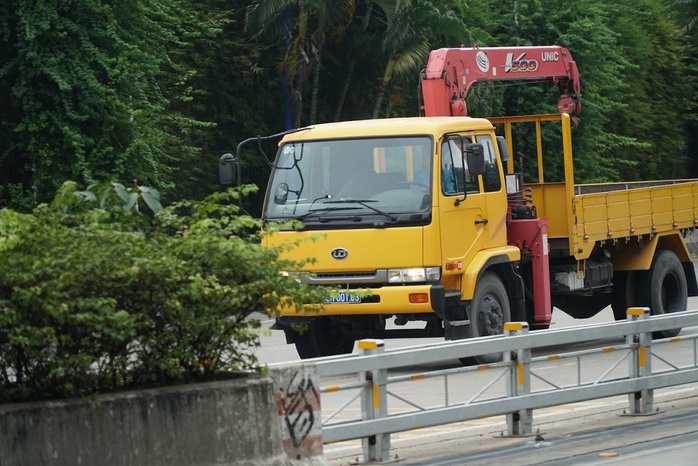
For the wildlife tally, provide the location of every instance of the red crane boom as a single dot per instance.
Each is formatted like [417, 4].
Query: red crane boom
[450, 73]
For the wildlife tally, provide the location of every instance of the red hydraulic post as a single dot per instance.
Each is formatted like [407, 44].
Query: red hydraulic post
[531, 237]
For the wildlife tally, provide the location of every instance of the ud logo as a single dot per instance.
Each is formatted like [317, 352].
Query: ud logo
[340, 253]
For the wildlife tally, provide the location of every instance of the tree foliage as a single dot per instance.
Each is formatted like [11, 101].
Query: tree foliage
[88, 88]
[98, 90]
[632, 57]
[625, 78]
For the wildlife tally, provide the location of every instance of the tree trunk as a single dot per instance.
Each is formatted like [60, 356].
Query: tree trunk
[389, 105]
[384, 85]
[379, 101]
[345, 89]
[298, 99]
[316, 80]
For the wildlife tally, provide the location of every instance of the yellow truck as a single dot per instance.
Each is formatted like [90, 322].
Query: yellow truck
[427, 220]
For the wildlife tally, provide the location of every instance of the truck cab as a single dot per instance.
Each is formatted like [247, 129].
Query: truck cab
[393, 216]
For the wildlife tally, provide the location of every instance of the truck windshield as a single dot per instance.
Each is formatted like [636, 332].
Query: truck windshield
[382, 181]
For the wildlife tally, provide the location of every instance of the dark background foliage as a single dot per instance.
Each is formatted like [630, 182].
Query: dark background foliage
[155, 91]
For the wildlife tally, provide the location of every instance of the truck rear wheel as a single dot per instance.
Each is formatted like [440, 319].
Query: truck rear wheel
[624, 293]
[489, 311]
[323, 337]
[664, 289]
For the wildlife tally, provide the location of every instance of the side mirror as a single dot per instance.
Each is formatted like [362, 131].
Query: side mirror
[281, 194]
[227, 169]
[503, 149]
[475, 158]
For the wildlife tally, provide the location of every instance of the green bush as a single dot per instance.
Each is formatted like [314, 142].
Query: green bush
[96, 296]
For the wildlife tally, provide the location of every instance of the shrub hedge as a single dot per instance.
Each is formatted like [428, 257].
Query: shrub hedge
[97, 296]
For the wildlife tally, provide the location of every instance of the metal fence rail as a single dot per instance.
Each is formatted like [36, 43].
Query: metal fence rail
[630, 374]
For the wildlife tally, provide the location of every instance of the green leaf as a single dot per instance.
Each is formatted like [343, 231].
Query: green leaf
[151, 198]
[86, 196]
[121, 192]
[131, 202]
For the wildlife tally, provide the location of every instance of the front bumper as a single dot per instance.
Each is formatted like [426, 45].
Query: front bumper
[386, 300]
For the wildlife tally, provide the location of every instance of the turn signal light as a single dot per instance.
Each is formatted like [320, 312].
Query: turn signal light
[419, 298]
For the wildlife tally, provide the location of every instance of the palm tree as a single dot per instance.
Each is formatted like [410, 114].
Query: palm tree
[304, 26]
[362, 37]
[409, 38]
[689, 11]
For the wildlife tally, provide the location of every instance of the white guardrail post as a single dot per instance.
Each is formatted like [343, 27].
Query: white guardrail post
[519, 423]
[640, 363]
[374, 403]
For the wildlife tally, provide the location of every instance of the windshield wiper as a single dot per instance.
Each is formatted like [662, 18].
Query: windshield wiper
[310, 213]
[365, 203]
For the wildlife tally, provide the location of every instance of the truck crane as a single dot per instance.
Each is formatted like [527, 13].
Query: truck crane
[450, 73]
[425, 221]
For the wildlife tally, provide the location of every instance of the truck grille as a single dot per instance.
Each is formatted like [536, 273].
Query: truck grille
[348, 278]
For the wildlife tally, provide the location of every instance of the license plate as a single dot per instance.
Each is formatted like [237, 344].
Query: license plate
[345, 297]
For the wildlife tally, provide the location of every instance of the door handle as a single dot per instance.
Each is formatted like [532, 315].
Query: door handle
[484, 221]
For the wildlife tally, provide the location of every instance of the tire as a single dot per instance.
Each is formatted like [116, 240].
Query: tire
[664, 289]
[322, 338]
[624, 293]
[489, 311]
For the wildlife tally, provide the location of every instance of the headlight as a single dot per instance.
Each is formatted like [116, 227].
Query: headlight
[414, 275]
[297, 276]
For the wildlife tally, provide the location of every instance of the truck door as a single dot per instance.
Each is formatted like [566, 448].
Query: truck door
[494, 192]
[463, 206]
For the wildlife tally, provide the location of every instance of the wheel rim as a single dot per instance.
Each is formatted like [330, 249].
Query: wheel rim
[670, 293]
[491, 316]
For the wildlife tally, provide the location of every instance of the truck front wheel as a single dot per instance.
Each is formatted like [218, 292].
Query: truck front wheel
[489, 311]
[322, 337]
[664, 289]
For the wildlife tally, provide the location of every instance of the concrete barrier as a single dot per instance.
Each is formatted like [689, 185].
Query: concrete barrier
[233, 422]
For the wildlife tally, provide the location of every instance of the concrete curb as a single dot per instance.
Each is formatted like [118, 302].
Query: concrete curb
[232, 422]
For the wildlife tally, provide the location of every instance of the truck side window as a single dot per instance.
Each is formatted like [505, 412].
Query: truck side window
[491, 179]
[452, 180]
